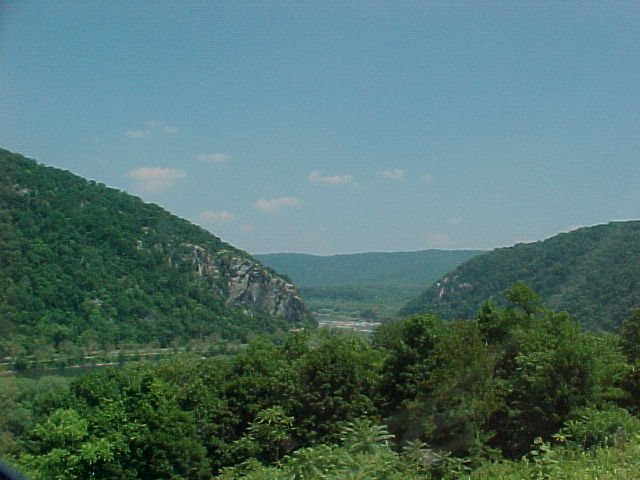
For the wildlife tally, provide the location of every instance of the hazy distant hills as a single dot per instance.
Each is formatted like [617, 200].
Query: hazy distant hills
[376, 283]
[377, 268]
[84, 264]
[593, 273]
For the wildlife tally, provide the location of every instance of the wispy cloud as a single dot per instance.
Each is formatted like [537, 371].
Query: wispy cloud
[216, 218]
[317, 177]
[216, 157]
[395, 174]
[246, 228]
[454, 221]
[137, 133]
[427, 178]
[276, 204]
[152, 126]
[155, 179]
[163, 127]
[440, 240]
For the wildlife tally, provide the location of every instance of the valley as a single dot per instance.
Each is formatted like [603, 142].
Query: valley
[374, 285]
[129, 333]
[301, 240]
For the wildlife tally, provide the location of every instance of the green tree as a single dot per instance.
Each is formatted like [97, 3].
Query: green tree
[334, 383]
[409, 345]
[524, 297]
[547, 369]
[630, 336]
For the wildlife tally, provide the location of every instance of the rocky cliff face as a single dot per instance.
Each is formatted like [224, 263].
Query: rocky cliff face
[250, 284]
[247, 284]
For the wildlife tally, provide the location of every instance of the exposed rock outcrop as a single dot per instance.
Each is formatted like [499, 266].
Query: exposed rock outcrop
[251, 284]
[247, 284]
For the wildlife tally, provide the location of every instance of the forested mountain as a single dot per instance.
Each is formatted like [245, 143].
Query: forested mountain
[592, 272]
[84, 264]
[422, 399]
[376, 268]
[369, 285]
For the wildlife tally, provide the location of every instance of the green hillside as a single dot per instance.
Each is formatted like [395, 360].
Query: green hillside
[370, 285]
[82, 264]
[593, 273]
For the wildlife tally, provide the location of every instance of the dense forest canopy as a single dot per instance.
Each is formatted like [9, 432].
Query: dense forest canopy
[591, 272]
[84, 265]
[514, 392]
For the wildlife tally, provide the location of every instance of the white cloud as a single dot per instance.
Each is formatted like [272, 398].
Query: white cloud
[216, 157]
[209, 216]
[317, 177]
[427, 178]
[137, 133]
[246, 228]
[152, 126]
[395, 174]
[454, 221]
[155, 179]
[276, 204]
[440, 240]
[169, 129]
[156, 125]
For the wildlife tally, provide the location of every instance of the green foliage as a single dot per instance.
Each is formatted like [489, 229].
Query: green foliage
[610, 463]
[592, 273]
[522, 296]
[426, 399]
[438, 382]
[84, 266]
[364, 454]
[123, 425]
[630, 336]
[514, 374]
[362, 436]
[271, 429]
[335, 383]
[408, 365]
[591, 427]
[547, 368]
[544, 461]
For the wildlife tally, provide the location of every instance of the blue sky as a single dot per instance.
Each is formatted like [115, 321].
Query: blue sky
[335, 127]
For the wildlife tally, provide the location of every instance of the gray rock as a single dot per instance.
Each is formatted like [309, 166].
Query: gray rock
[246, 283]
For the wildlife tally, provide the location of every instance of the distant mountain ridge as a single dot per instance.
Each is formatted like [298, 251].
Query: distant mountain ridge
[420, 267]
[82, 263]
[372, 285]
[593, 273]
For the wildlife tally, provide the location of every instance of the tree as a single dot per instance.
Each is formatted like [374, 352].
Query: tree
[409, 345]
[548, 368]
[334, 383]
[630, 335]
[524, 297]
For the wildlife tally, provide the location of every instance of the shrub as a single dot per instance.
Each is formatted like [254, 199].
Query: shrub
[590, 427]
